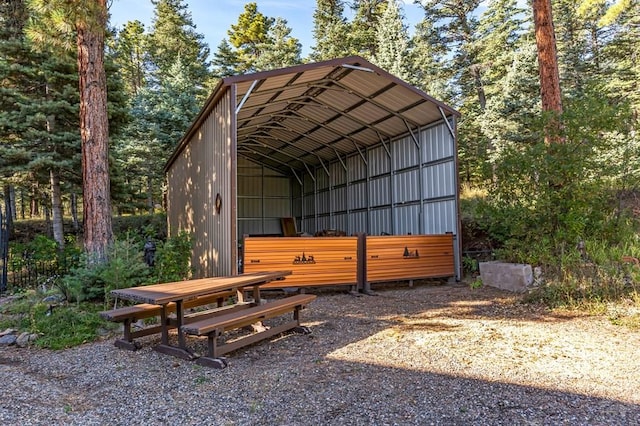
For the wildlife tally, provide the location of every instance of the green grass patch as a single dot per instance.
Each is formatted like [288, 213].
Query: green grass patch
[63, 326]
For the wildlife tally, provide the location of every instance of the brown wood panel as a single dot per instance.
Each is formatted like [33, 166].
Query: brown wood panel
[312, 261]
[405, 257]
[248, 316]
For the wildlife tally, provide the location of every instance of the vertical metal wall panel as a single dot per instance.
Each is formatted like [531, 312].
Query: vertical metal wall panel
[379, 161]
[323, 203]
[340, 222]
[357, 222]
[438, 180]
[407, 187]
[357, 194]
[309, 204]
[322, 178]
[276, 208]
[339, 198]
[308, 181]
[264, 197]
[323, 222]
[379, 192]
[279, 186]
[408, 220]
[338, 174]
[379, 221]
[250, 208]
[405, 153]
[201, 171]
[437, 143]
[249, 185]
[356, 168]
[439, 217]
[296, 207]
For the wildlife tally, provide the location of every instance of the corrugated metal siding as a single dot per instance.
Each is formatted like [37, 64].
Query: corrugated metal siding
[264, 197]
[357, 194]
[202, 170]
[421, 201]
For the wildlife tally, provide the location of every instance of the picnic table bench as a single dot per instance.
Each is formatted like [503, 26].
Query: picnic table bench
[128, 315]
[168, 298]
[214, 327]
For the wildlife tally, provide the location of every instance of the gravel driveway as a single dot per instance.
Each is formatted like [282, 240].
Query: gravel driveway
[441, 355]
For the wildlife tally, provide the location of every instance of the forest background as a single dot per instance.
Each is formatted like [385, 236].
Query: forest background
[561, 205]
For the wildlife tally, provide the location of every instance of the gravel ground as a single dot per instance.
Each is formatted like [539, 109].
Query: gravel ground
[427, 355]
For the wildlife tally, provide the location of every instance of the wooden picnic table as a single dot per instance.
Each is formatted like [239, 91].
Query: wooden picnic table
[181, 291]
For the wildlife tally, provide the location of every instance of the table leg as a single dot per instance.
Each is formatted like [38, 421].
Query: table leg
[256, 294]
[164, 323]
[164, 347]
[180, 320]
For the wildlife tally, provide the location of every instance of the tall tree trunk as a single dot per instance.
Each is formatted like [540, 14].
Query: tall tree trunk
[47, 216]
[34, 210]
[12, 202]
[56, 208]
[548, 66]
[7, 206]
[94, 132]
[149, 194]
[22, 204]
[74, 212]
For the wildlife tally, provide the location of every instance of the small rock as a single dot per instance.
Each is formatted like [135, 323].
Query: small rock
[22, 340]
[7, 331]
[53, 298]
[8, 340]
[33, 337]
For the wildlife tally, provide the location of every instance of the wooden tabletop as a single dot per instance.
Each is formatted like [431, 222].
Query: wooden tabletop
[160, 294]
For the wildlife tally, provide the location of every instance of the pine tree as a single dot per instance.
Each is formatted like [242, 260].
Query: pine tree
[330, 30]
[363, 28]
[392, 42]
[88, 20]
[548, 65]
[249, 36]
[173, 34]
[256, 43]
[131, 56]
[226, 61]
[427, 63]
[42, 117]
[281, 50]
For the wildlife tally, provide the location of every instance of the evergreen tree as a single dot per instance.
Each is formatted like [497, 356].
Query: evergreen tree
[427, 62]
[257, 43]
[40, 113]
[226, 61]
[393, 42]
[456, 26]
[87, 22]
[330, 31]
[281, 50]
[249, 36]
[173, 34]
[131, 56]
[160, 116]
[499, 31]
[363, 28]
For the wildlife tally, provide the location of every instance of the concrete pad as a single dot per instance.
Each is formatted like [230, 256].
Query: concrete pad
[516, 277]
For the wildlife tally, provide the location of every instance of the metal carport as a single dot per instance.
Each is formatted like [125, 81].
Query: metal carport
[340, 144]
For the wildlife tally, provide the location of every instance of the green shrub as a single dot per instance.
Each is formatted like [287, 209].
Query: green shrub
[173, 259]
[124, 268]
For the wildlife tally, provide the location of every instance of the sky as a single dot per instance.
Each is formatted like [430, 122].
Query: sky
[214, 17]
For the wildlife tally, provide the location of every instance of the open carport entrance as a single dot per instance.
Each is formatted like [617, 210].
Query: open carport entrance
[336, 145]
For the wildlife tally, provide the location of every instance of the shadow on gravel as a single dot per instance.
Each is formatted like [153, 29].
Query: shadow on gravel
[352, 370]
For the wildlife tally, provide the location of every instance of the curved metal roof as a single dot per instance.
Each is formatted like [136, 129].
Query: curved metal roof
[301, 117]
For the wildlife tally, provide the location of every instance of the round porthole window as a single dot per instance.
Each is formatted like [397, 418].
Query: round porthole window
[218, 203]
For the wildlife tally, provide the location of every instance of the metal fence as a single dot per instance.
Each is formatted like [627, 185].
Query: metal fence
[4, 251]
